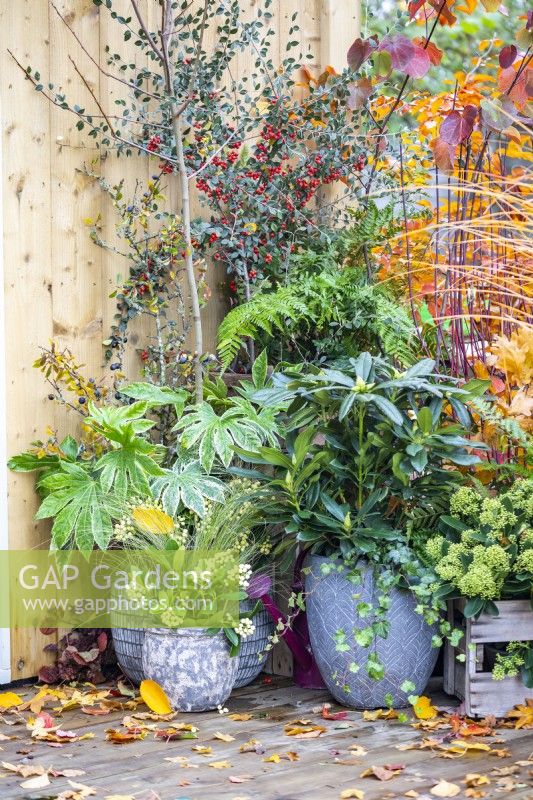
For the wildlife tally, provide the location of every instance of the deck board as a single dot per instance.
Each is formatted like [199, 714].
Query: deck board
[139, 768]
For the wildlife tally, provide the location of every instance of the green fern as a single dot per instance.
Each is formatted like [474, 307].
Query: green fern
[334, 308]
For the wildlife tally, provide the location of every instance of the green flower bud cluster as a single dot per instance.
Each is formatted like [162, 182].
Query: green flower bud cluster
[495, 515]
[521, 497]
[509, 663]
[465, 503]
[479, 581]
[524, 561]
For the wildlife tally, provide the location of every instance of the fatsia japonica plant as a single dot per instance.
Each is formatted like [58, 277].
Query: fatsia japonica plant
[84, 493]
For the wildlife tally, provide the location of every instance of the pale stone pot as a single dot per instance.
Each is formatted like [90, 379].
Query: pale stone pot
[194, 668]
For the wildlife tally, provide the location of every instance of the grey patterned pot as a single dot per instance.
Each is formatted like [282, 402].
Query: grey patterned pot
[406, 653]
[193, 667]
[250, 664]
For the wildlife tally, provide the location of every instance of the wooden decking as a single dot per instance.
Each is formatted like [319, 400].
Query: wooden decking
[324, 767]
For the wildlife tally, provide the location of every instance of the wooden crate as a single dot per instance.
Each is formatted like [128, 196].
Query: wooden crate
[469, 680]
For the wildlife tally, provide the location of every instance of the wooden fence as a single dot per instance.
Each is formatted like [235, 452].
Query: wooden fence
[56, 281]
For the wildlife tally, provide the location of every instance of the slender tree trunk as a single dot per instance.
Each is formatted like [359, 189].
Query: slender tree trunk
[189, 263]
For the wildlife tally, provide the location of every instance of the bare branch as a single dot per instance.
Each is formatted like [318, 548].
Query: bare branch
[91, 58]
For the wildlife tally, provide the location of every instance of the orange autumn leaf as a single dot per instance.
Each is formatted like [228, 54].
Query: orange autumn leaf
[155, 698]
[125, 737]
[303, 731]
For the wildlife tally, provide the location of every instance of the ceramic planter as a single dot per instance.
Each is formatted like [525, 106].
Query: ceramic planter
[407, 653]
[250, 664]
[193, 667]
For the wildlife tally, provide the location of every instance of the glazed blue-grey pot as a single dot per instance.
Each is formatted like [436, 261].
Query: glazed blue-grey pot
[406, 653]
[193, 667]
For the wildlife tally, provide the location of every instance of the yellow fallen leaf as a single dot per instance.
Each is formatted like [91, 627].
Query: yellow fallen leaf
[224, 737]
[380, 713]
[445, 789]
[240, 717]
[461, 746]
[154, 697]
[523, 714]
[349, 793]
[219, 764]
[203, 750]
[303, 731]
[424, 709]
[10, 700]
[275, 758]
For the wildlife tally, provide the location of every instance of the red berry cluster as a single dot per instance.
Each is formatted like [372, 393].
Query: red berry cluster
[154, 144]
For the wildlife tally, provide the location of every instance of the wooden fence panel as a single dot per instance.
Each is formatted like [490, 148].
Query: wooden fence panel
[57, 282]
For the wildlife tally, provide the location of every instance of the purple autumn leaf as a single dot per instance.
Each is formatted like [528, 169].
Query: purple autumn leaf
[407, 57]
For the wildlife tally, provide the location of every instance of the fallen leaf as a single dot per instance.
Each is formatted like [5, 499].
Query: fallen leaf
[523, 714]
[202, 749]
[224, 737]
[252, 746]
[85, 791]
[423, 708]
[66, 773]
[461, 746]
[174, 734]
[473, 779]
[219, 764]
[154, 697]
[24, 770]
[300, 731]
[358, 794]
[240, 717]
[275, 758]
[125, 737]
[445, 789]
[380, 713]
[326, 713]
[357, 750]
[38, 782]
[10, 700]
[240, 778]
[473, 729]
[119, 797]
[385, 773]
[95, 711]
